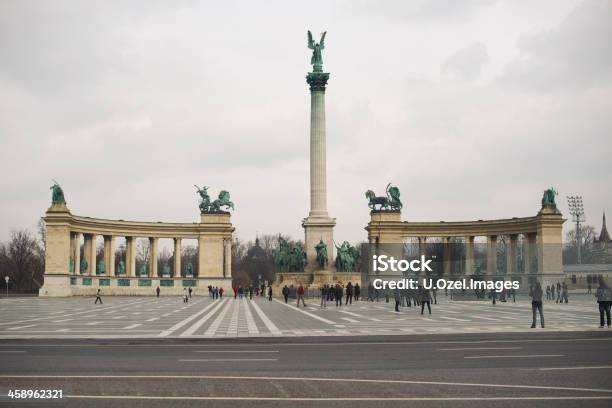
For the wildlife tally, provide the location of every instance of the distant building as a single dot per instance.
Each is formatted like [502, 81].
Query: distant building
[604, 236]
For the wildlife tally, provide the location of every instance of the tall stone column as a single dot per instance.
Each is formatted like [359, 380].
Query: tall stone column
[108, 254]
[446, 261]
[177, 258]
[318, 225]
[76, 253]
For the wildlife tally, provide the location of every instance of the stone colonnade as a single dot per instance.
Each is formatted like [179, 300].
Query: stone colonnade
[64, 275]
[541, 250]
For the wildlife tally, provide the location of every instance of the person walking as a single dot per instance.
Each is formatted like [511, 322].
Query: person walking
[493, 295]
[349, 294]
[98, 297]
[157, 291]
[564, 293]
[324, 293]
[425, 298]
[338, 295]
[185, 297]
[552, 292]
[398, 299]
[370, 297]
[604, 300]
[221, 291]
[300, 295]
[589, 289]
[547, 292]
[286, 293]
[357, 290]
[251, 292]
[270, 293]
[434, 292]
[535, 293]
[190, 290]
[558, 293]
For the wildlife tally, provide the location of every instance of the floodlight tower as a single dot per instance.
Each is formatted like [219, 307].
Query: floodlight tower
[576, 208]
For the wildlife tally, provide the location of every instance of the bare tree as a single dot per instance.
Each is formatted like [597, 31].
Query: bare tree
[22, 260]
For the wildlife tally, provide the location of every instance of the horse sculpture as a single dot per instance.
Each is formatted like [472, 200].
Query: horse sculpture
[390, 202]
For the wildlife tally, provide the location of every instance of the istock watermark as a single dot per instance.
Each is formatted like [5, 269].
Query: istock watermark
[429, 283]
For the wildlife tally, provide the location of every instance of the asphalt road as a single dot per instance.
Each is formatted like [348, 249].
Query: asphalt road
[460, 370]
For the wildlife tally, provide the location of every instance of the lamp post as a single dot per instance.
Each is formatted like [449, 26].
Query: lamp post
[576, 209]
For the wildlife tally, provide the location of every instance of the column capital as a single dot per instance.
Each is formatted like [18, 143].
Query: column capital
[317, 80]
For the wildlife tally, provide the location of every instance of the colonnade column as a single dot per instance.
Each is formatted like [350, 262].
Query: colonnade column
[177, 258]
[469, 255]
[109, 254]
[153, 257]
[511, 254]
[491, 254]
[76, 252]
[528, 251]
[227, 257]
[130, 256]
[446, 264]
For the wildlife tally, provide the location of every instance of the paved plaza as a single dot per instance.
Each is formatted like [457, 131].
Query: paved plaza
[202, 317]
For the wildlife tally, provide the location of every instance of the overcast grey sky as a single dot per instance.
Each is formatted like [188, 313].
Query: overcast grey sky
[472, 108]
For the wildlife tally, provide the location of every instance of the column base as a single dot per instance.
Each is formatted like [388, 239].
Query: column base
[315, 230]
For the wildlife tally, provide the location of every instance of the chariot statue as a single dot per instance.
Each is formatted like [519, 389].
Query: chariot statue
[57, 194]
[390, 202]
[213, 206]
[346, 257]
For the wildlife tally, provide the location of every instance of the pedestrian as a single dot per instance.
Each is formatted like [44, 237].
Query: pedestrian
[564, 293]
[425, 298]
[286, 293]
[185, 297]
[257, 291]
[493, 295]
[349, 294]
[221, 291]
[240, 292]
[434, 292]
[324, 294]
[215, 292]
[547, 292]
[98, 297]
[190, 290]
[552, 292]
[235, 289]
[513, 293]
[558, 293]
[536, 303]
[357, 290]
[210, 291]
[300, 295]
[604, 299]
[370, 292]
[250, 292]
[157, 291]
[270, 293]
[398, 299]
[338, 294]
[589, 290]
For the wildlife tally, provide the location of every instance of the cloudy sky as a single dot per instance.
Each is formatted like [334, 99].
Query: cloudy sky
[472, 108]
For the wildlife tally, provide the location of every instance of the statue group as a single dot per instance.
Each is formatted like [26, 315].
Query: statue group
[390, 202]
[57, 194]
[548, 199]
[213, 206]
[346, 257]
[289, 258]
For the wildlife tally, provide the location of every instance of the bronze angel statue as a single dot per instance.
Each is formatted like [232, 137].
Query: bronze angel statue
[317, 57]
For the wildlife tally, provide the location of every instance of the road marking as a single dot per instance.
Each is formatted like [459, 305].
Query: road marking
[132, 326]
[229, 359]
[194, 316]
[234, 351]
[306, 313]
[519, 356]
[232, 328]
[453, 318]
[251, 326]
[21, 327]
[569, 368]
[269, 325]
[212, 329]
[478, 348]
[323, 399]
[152, 319]
[61, 321]
[315, 379]
[348, 319]
[11, 351]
